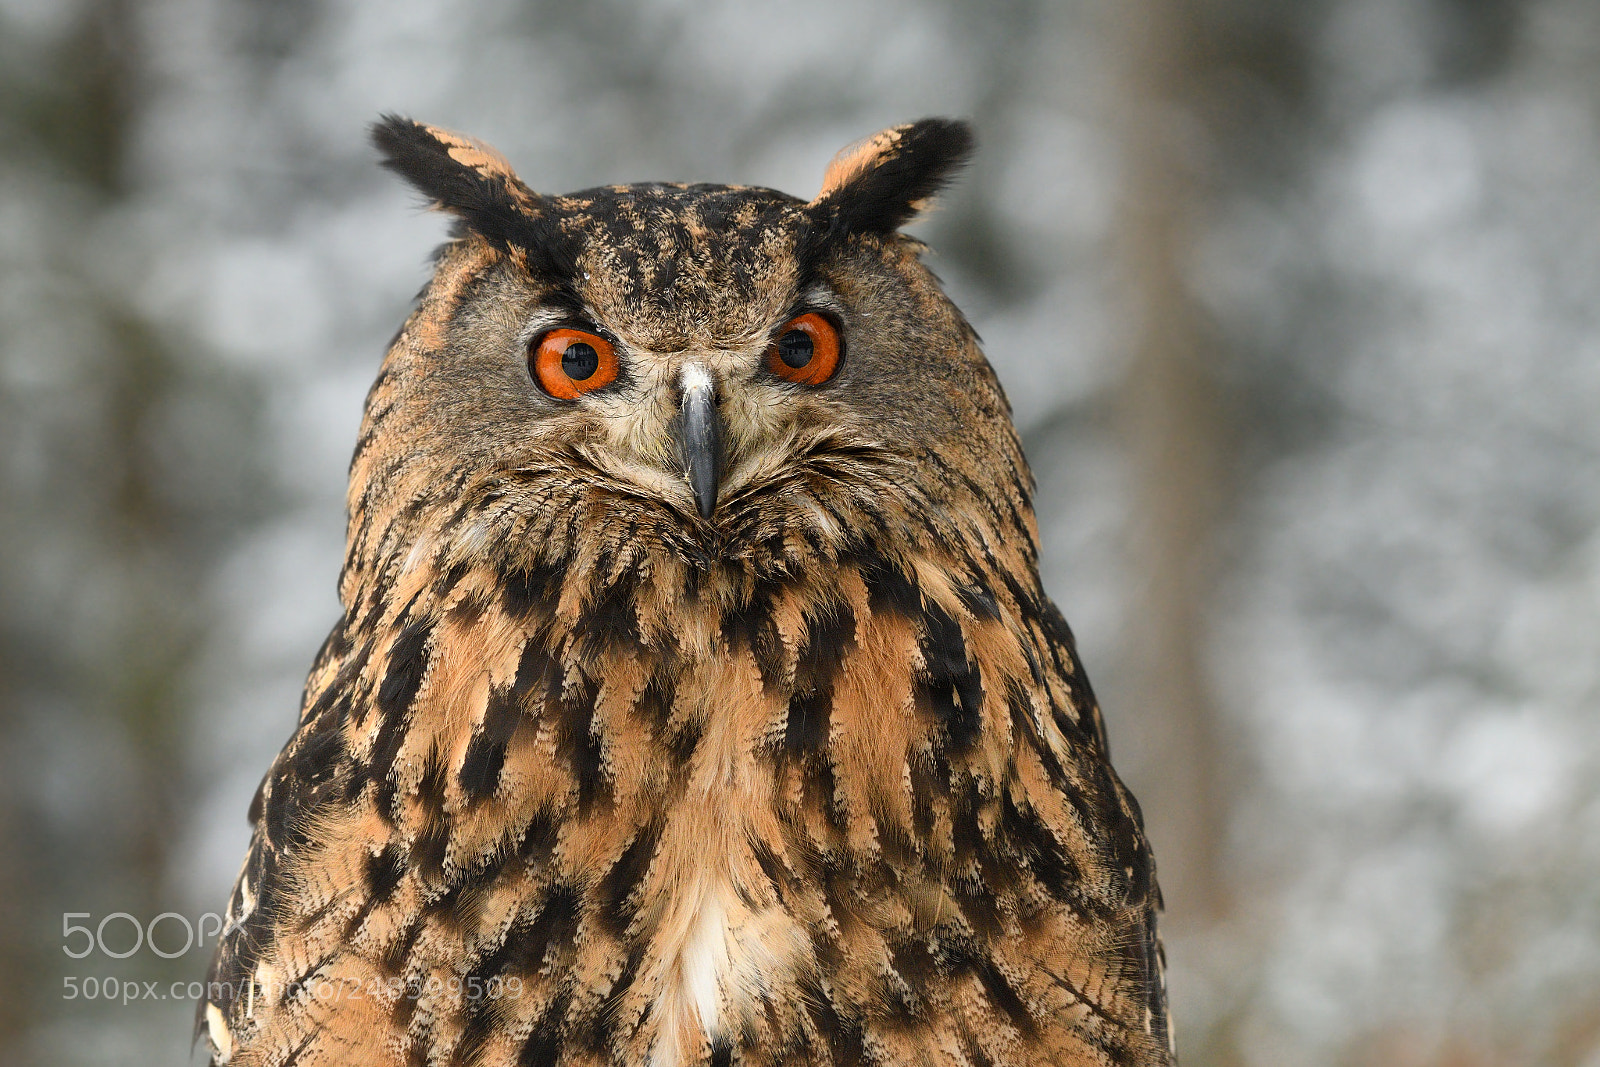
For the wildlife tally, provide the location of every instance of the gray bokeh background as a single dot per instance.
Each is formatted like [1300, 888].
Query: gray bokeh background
[1296, 301]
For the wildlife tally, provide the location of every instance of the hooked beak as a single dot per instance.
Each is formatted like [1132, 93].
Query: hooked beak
[702, 437]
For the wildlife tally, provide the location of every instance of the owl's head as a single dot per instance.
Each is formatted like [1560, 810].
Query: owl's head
[724, 372]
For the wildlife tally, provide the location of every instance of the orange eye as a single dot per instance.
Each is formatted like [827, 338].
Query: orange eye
[569, 363]
[806, 351]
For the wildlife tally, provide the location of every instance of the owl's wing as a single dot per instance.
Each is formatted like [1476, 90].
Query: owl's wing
[1083, 770]
[312, 769]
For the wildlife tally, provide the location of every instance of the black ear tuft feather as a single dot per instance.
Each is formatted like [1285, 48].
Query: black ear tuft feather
[879, 184]
[474, 182]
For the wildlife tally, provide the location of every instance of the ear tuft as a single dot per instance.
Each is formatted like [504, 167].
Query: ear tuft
[884, 181]
[467, 178]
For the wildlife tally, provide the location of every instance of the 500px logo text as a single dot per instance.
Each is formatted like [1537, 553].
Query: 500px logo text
[80, 940]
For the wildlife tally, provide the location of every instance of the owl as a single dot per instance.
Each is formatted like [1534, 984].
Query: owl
[695, 700]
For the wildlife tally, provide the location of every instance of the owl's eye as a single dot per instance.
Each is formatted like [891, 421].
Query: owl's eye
[806, 351]
[568, 363]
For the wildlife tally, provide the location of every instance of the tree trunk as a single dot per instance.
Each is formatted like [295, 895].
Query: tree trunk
[1173, 438]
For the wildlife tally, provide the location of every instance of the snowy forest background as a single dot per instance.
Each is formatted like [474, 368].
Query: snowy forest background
[1298, 305]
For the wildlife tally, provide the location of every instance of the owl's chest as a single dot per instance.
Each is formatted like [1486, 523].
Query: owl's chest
[721, 940]
[633, 834]
[661, 791]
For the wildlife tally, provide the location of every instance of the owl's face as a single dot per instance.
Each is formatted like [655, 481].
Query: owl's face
[699, 362]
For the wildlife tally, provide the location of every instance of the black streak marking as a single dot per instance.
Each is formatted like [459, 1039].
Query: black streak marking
[611, 619]
[809, 722]
[828, 640]
[625, 875]
[1004, 997]
[486, 752]
[977, 599]
[428, 852]
[888, 587]
[525, 590]
[408, 662]
[543, 1046]
[576, 740]
[953, 685]
[384, 872]
[556, 923]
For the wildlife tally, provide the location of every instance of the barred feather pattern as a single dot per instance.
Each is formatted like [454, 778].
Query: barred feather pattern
[582, 779]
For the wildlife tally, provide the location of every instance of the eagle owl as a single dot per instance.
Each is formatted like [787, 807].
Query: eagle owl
[695, 700]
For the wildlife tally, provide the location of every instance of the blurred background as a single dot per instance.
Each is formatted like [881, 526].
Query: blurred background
[1298, 305]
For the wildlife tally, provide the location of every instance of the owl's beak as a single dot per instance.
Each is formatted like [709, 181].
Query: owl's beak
[702, 437]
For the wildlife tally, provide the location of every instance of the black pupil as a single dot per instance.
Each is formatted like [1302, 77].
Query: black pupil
[795, 348]
[580, 361]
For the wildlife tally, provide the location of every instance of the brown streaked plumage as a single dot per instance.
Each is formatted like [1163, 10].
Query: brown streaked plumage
[707, 715]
